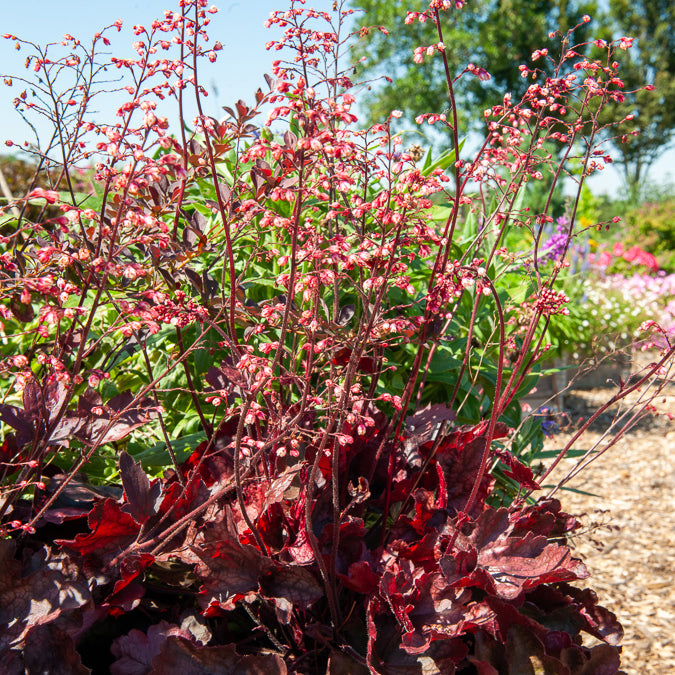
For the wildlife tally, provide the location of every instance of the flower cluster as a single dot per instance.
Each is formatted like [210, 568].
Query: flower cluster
[634, 255]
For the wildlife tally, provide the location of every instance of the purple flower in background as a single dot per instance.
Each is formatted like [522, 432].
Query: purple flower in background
[555, 248]
[548, 422]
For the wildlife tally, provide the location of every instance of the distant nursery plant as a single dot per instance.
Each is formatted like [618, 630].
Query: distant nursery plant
[261, 383]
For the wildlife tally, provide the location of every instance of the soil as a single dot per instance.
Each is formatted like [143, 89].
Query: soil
[628, 534]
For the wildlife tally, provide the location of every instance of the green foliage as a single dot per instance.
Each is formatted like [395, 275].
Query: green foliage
[652, 62]
[497, 35]
[652, 226]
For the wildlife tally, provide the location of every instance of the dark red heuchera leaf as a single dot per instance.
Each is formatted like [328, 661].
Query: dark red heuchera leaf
[212, 461]
[19, 421]
[115, 420]
[227, 379]
[178, 501]
[385, 654]
[91, 423]
[460, 455]
[341, 357]
[544, 517]
[428, 609]
[295, 584]
[50, 650]
[136, 650]
[75, 499]
[522, 650]
[599, 660]
[426, 423]
[507, 565]
[127, 592]
[140, 496]
[111, 531]
[179, 656]
[231, 571]
[517, 470]
[598, 621]
[228, 570]
[352, 545]
[38, 592]
[491, 575]
[360, 577]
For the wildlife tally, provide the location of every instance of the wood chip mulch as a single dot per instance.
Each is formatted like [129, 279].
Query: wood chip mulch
[628, 536]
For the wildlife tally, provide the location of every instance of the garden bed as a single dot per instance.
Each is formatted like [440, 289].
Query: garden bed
[590, 373]
[629, 529]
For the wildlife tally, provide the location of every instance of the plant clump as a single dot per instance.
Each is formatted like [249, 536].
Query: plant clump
[261, 389]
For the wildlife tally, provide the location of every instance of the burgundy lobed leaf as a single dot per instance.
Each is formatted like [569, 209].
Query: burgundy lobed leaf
[67, 428]
[228, 570]
[47, 587]
[460, 454]
[599, 660]
[22, 311]
[366, 364]
[521, 473]
[506, 565]
[33, 400]
[178, 501]
[293, 583]
[544, 517]
[127, 598]
[525, 654]
[19, 421]
[179, 656]
[385, 654]
[135, 651]
[111, 531]
[360, 578]
[50, 650]
[140, 496]
[275, 491]
[115, 420]
[424, 424]
[599, 622]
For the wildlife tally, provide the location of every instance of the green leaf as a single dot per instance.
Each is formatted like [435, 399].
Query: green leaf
[443, 162]
[552, 454]
[569, 489]
[158, 455]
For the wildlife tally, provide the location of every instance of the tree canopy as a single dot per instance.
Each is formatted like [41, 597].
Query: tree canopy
[651, 61]
[499, 35]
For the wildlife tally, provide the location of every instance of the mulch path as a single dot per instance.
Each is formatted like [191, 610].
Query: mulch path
[628, 536]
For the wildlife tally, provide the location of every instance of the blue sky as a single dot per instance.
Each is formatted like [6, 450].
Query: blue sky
[236, 75]
[238, 26]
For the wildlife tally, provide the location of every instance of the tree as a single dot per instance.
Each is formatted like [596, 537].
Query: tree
[497, 35]
[650, 62]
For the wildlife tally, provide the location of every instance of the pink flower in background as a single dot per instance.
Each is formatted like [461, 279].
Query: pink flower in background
[637, 256]
[604, 259]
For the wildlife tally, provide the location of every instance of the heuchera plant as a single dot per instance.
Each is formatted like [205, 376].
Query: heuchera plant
[260, 390]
